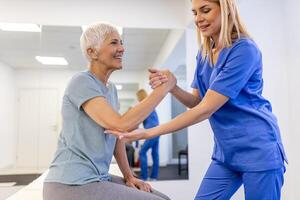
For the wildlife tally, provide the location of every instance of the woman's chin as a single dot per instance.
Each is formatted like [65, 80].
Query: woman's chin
[206, 34]
[118, 67]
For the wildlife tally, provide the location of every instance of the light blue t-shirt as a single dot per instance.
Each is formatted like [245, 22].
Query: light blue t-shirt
[84, 151]
[246, 133]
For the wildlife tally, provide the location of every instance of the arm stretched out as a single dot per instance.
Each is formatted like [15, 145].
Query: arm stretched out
[103, 114]
[211, 102]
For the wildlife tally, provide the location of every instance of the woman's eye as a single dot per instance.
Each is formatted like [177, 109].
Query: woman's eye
[206, 10]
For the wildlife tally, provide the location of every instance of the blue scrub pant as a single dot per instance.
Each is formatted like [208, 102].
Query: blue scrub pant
[153, 144]
[220, 183]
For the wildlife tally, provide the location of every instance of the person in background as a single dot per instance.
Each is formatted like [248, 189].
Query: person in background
[153, 143]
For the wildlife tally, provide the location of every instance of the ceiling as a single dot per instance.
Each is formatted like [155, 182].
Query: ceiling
[18, 49]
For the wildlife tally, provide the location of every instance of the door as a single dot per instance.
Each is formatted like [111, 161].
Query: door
[48, 133]
[28, 128]
[37, 127]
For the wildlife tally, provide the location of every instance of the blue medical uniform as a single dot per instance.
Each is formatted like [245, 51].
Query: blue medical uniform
[246, 133]
[149, 122]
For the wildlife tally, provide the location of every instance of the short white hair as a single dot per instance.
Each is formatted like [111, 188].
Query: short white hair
[94, 35]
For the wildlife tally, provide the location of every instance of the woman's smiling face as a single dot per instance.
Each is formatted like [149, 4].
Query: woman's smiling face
[207, 17]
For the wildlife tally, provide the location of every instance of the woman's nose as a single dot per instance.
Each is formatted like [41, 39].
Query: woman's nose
[121, 48]
[198, 18]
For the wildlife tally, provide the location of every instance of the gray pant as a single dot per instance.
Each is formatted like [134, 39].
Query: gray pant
[105, 190]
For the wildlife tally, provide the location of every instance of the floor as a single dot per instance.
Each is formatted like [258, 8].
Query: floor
[5, 192]
[13, 179]
[18, 179]
[170, 172]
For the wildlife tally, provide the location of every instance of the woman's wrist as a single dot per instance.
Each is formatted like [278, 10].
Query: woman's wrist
[161, 90]
[150, 133]
[173, 90]
[128, 176]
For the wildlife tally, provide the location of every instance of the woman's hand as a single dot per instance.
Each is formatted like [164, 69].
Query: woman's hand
[139, 184]
[114, 132]
[136, 134]
[159, 77]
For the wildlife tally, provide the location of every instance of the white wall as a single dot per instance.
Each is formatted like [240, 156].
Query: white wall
[31, 78]
[167, 50]
[129, 13]
[7, 116]
[292, 42]
[269, 31]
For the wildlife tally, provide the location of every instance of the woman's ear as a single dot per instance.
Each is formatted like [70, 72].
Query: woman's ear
[93, 54]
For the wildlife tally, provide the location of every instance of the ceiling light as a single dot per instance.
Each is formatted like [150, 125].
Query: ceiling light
[20, 27]
[51, 60]
[119, 87]
[119, 28]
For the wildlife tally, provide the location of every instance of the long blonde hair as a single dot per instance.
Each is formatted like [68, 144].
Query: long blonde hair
[232, 28]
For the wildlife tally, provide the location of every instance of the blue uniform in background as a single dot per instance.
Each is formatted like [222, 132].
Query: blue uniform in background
[149, 122]
[248, 148]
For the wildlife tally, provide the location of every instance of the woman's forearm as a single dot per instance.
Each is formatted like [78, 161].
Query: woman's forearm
[188, 118]
[121, 158]
[132, 118]
[186, 98]
[103, 114]
[210, 104]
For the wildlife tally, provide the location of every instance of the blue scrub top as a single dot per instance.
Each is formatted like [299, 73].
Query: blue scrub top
[246, 134]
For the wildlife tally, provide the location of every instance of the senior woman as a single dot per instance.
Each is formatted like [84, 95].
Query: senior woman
[90, 105]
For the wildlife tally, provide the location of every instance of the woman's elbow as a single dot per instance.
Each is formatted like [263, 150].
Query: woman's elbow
[209, 114]
[205, 112]
[119, 125]
[194, 103]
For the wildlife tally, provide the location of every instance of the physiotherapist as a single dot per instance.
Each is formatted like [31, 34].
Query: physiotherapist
[227, 90]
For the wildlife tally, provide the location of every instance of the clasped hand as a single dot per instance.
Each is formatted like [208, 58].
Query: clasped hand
[162, 77]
